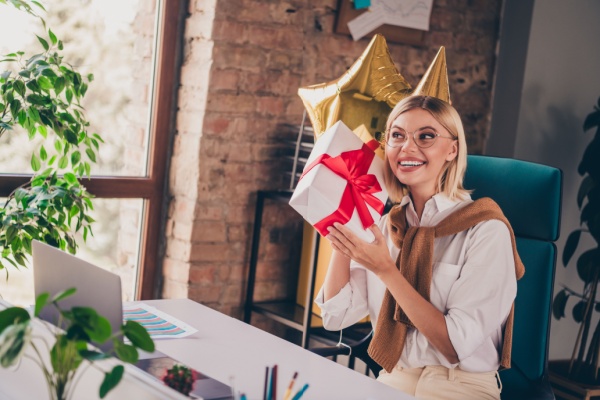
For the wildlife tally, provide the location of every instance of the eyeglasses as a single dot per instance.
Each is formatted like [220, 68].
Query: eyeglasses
[423, 138]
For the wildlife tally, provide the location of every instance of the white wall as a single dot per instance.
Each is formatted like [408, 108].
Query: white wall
[561, 83]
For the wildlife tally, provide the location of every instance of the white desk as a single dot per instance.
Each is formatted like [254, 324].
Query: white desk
[225, 347]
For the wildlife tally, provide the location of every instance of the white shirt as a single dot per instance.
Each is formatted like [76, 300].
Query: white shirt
[473, 284]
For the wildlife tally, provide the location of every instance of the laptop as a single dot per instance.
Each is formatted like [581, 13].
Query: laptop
[55, 270]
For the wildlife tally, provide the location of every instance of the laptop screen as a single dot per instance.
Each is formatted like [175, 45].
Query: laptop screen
[55, 270]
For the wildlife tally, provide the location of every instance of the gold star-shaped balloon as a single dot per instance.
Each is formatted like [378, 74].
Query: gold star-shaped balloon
[362, 97]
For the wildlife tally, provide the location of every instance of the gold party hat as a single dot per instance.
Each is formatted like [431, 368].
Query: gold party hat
[363, 95]
[435, 81]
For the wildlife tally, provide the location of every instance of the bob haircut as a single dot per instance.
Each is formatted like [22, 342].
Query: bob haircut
[450, 180]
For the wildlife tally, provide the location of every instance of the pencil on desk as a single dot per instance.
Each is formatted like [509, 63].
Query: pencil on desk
[266, 383]
[300, 392]
[288, 392]
[274, 383]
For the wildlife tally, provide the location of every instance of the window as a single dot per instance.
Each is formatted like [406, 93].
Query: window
[131, 48]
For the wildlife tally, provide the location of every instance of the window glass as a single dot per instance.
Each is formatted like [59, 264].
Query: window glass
[114, 40]
[114, 247]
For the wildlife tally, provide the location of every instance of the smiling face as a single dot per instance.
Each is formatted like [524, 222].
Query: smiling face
[419, 168]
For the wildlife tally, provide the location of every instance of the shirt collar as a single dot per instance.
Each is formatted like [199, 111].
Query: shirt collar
[440, 200]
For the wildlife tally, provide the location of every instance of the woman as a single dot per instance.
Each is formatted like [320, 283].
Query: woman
[446, 335]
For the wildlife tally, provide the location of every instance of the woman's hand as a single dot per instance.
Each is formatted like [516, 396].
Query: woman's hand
[373, 256]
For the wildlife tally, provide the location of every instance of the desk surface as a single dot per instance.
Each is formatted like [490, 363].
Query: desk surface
[225, 347]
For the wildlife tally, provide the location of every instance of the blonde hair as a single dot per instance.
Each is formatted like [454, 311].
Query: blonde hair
[450, 180]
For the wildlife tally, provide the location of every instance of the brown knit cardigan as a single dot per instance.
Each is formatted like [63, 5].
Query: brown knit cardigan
[415, 263]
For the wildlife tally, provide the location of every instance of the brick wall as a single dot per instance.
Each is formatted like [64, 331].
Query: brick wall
[243, 63]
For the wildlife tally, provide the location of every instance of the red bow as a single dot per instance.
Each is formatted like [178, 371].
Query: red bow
[353, 167]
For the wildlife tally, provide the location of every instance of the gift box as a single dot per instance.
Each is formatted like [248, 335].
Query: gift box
[342, 182]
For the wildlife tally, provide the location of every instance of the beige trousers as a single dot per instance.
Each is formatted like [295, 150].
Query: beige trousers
[437, 382]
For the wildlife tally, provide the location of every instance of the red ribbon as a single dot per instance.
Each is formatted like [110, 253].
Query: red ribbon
[353, 167]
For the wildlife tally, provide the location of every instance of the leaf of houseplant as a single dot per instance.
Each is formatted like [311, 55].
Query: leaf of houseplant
[559, 304]
[11, 316]
[138, 335]
[40, 302]
[584, 188]
[64, 294]
[111, 380]
[592, 120]
[94, 325]
[13, 341]
[570, 246]
[91, 355]
[579, 311]
[587, 263]
[126, 352]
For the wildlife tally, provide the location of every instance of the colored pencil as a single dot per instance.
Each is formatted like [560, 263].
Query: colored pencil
[274, 383]
[266, 383]
[300, 392]
[288, 392]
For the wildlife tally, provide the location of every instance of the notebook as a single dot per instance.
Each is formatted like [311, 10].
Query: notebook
[55, 270]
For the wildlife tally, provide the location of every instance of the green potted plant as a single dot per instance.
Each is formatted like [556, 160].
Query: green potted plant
[70, 350]
[585, 361]
[40, 96]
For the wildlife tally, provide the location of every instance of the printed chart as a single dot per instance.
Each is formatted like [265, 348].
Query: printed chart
[158, 324]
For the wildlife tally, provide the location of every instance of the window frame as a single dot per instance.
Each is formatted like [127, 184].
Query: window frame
[151, 188]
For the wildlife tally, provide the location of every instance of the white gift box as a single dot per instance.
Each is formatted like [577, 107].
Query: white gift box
[340, 169]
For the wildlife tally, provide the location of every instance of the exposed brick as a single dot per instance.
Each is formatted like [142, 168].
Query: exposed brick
[230, 31]
[203, 274]
[209, 231]
[209, 252]
[204, 294]
[238, 83]
[210, 213]
[225, 79]
[271, 105]
[199, 25]
[182, 230]
[176, 270]
[178, 250]
[182, 209]
[175, 290]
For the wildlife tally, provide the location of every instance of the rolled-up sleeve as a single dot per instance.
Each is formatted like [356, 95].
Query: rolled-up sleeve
[480, 300]
[349, 305]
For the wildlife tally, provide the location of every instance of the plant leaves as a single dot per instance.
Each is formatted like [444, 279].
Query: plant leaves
[35, 163]
[587, 263]
[126, 352]
[571, 246]
[138, 335]
[13, 341]
[90, 153]
[111, 380]
[52, 36]
[43, 153]
[64, 294]
[592, 120]
[93, 355]
[43, 42]
[12, 315]
[40, 302]
[559, 304]
[63, 162]
[579, 311]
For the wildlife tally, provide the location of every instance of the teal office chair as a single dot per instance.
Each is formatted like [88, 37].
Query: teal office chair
[530, 197]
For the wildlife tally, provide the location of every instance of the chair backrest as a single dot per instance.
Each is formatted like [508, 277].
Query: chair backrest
[530, 197]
